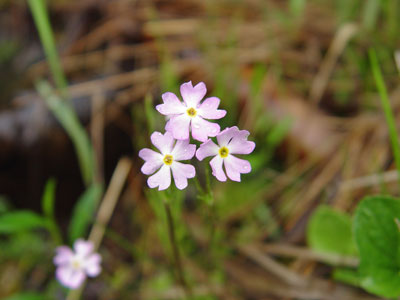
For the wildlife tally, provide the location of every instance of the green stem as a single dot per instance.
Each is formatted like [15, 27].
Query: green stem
[175, 249]
[390, 120]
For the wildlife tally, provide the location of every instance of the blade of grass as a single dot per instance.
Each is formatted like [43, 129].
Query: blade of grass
[68, 119]
[48, 200]
[380, 84]
[40, 16]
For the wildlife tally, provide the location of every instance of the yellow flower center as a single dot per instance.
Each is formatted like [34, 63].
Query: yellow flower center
[168, 159]
[223, 152]
[191, 112]
[76, 264]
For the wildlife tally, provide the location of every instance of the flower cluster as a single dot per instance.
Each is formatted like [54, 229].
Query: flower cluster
[74, 265]
[191, 116]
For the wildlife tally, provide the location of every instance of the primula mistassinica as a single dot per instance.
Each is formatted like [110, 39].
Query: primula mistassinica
[74, 265]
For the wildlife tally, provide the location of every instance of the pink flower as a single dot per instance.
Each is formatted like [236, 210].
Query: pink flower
[171, 154]
[191, 113]
[230, 141]
[74, 265]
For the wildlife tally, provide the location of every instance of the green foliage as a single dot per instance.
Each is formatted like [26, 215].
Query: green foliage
[23, 220]
[348, 276]
[26, 296]
[297, 7]
[390, 120]
[330, 231]
[69, 120]
[40, 16]
[48, 198]
[175, 199]
[84, 211]
[376, 230]
[371, 13]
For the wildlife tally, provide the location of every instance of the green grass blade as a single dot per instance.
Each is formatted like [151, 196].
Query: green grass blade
[40, 16]
[84, 212]
[68, 119]
[48, 198]
[380, 84]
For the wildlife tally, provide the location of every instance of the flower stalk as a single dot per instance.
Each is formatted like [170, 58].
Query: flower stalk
[175, 249]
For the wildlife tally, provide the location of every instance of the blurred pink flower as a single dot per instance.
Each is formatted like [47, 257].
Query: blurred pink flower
[171, 154]
[190, 114]
[230, 141]
[74, 265]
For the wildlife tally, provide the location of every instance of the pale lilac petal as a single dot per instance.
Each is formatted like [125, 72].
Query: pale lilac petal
[92, 265]
[183, 150]
[235, 166]
[202, 129]
[70, 277]
[153, 160]
[171, 106]
[162, 179]
[181, 172]
[216, 166]
[193, 95]
[241, 147]
[207, 149]
[83, 248]
[226, 135]
[209, 109]
[163, 142]
[179, 126]
[239, 143]
[63, 255]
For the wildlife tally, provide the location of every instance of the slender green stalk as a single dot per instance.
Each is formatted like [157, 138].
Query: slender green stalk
[40, 16]
[390, 120]
[175, 250]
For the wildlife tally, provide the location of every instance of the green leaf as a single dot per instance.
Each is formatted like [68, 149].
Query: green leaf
[22, 220]
[48, 198]
[348, 276]
[377, 238]
[84, 211]
[330, 231]
[41, 18]
[26, 296]
[70, 122]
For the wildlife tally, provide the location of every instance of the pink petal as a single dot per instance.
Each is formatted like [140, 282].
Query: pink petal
[83, 248]
[63, 255]
[216, 166]
[181, 172]
[209, 109]
[234, 166]
[70, 277]
[171, 106]
[162, 179]
[153, 161]
[183, 150]
[241, 147]
[239, 143]
[226, 135]
[202, 129]
[92, 265]
[163, 142]
[179, 126]
[207, 149]
[193, 95]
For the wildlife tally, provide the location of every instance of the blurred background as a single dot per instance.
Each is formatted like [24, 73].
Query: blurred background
[296, 74]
